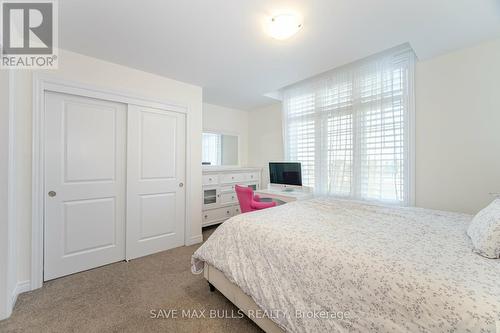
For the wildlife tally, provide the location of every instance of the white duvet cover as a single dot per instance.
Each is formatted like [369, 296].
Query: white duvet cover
[327, 265]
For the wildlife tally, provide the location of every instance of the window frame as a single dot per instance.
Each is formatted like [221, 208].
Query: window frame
[320, 114]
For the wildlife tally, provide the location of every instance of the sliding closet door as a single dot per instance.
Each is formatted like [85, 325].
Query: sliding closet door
[84, 183]
[156, 156]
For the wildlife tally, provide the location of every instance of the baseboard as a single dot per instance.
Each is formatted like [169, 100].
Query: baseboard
[195, 240]
[21, 287]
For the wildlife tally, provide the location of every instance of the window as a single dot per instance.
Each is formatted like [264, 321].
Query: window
[350, 128]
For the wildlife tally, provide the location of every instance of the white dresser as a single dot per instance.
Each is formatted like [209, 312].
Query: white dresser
[219, 198]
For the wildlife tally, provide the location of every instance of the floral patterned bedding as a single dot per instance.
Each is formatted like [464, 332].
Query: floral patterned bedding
[326, 265]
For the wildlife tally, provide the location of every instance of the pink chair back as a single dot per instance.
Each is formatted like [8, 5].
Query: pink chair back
[245, 197]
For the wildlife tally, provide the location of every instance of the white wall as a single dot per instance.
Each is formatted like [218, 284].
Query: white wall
[82, 69]
[458, 129]
[266, 138]
[230, 121]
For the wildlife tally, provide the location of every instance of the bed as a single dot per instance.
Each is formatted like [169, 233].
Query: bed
[327, 265]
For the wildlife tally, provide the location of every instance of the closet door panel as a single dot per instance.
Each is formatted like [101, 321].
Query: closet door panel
[84, 183]
[156, 157]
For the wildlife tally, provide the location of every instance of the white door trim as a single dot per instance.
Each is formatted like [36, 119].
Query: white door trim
[10, 238]
[43, 83]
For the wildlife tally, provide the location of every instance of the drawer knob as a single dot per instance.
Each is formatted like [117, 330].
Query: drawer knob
[210, 179]
[206, 216]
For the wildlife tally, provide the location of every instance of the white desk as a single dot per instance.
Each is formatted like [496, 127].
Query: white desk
[285, 196]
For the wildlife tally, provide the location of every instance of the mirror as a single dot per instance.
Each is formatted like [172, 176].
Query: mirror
[219, 149]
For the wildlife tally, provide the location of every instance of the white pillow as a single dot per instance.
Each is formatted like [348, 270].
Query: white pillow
[484, 231]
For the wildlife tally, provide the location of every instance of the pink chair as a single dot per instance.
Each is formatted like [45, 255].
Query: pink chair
[250, 202]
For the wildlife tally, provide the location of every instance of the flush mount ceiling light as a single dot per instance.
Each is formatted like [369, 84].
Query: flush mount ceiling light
[283, 26]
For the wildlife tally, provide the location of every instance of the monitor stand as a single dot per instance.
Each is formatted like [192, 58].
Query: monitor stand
[288, 189]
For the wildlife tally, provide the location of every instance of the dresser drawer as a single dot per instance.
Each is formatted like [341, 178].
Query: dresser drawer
[227, 188]
[253, 177]
[233, 178]
[230, 197]
[231, 188]
[217, 214]
[210, 179]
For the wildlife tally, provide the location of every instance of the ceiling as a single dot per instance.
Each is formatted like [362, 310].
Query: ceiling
[220, 44]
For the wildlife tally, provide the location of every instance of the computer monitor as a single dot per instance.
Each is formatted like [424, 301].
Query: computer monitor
[285, 173]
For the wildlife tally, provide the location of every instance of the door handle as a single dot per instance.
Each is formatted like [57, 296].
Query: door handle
[52, 194]
[181, 184]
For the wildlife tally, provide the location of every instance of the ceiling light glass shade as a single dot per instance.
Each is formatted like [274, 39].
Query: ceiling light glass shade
[283, 26]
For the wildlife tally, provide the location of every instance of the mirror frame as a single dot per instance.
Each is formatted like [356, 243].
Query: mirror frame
[215, 131]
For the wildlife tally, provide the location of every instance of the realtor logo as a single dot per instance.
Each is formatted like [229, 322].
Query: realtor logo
[29, 34]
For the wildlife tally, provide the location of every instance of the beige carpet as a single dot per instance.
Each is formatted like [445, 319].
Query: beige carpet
[120, 296]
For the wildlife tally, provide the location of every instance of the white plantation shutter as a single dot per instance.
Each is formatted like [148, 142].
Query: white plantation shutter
[351, 128]
[302, 134]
